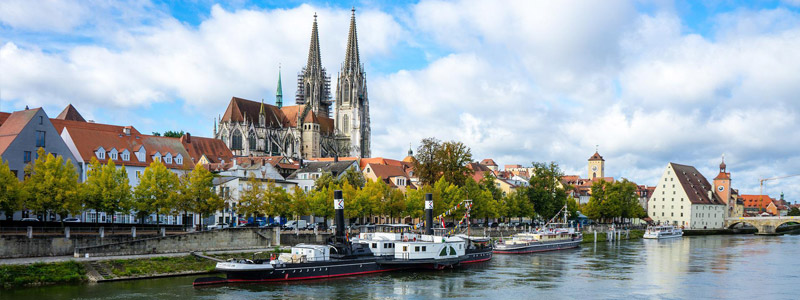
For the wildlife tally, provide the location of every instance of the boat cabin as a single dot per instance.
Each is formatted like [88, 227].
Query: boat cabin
[306, 253]
[431, 247]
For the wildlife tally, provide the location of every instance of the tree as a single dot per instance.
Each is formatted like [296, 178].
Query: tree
[156, 191]
[394, 205]
[197, 189]
[545, 192]
[325, 180]
[322, 203]
[276, 201]
[354, 178]
[614, 200]
[299, 203]
[52, 185]
[426, 164]
[174, 134]
[794, 211]
[10, 191]
[107, 189]
[453, 158]
[251, 199]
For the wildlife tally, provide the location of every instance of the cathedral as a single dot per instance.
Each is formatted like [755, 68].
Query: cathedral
[306, 129]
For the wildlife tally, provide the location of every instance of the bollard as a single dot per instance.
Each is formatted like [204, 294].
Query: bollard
[163, 231]
[133, 231]
[102, 232]
[30, 232]
[277, 235]
[595, 236]
[296, 230]
[315, 230]
[66, 232]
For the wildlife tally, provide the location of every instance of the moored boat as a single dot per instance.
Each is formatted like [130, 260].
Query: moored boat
[663, 232]
[553, 236]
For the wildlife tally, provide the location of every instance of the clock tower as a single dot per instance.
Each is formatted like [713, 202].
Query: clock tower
[597, 166]
[722, 183]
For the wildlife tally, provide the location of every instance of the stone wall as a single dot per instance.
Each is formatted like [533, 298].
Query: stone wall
[221, 239]
[12, 246]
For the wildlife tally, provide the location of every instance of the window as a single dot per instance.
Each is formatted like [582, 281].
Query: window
[179, 160]
[27, 157]
[101, 154]
[252, 142]
[156, 158]
[114, 155]
[126, 156]
[405, 248]
[424, 248]
[236, 141]
[416, 248]
[374, 245]
[41, 120]
[138, 173]
[168, 159]
[40, 138]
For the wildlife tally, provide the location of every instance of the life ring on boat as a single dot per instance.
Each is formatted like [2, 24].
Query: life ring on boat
[415, 239]
[405, 239]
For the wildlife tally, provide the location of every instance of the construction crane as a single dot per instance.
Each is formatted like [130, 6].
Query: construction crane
[761, 181]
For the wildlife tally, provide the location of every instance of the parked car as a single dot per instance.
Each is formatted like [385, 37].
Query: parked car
[318, 226]
[296, 224]
[217, 226]
[71, 220]
[271, 225]
[493, 225]
[29, 220]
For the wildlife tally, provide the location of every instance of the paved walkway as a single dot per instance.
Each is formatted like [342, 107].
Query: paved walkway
[50, 259]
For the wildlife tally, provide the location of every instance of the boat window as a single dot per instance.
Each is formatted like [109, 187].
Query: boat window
[405, 248]
[416, 248]
[424, 249]
[374, 245]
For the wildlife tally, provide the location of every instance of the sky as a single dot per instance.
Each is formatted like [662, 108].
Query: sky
[644, 82]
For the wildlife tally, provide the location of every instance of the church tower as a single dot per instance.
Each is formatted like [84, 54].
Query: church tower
[352, 102]
[313, 84]
[597, 166]
[722, 183]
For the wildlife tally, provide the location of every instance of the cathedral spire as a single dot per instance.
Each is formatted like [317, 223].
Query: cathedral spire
[279, 90]
[314, 60]
[351, 59]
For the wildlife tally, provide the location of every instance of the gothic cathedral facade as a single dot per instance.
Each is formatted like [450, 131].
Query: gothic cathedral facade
[305, 130]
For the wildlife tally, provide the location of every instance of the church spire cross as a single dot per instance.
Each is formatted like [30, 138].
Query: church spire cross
[279, 90]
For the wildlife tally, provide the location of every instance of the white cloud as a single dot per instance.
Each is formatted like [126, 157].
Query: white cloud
[46, 15]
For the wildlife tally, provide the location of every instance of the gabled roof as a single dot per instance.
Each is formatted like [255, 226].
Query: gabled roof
[489, 162]
[240, 109]
[13, 125]
[478, 170]
[596, 156]
[695, 185]
[3, 117]
[93, 136]
[386, 171]
[70, 113]
[215, 150]
[335, 168]
[756, 201]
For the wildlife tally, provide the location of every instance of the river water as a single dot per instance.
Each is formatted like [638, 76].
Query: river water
[704, 267]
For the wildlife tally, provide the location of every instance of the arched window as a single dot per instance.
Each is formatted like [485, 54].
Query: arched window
[252, 141]
[346, 122]
[236, 140]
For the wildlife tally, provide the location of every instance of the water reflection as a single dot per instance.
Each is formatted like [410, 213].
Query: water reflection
[740, 266]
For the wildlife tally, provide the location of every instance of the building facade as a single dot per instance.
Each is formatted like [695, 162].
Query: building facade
[305, 130]
[683, 197]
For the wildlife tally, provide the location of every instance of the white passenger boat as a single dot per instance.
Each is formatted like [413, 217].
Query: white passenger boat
[663, 232]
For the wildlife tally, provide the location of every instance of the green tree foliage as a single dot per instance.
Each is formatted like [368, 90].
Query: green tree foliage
[354, 178]
[545, 192]
[394, 204]
[197, 191]
[276, 201]
[52, 185]
[10, 191]
[484, 206]
[453, 158]
[300, 204]
[794, 211]
[174, 134]
[324, 181]
[517, 204]
[107, 189]
[322, 202]
[426, 164]
[156, 192]
[611, 200]
[415, 201]
[251, 198]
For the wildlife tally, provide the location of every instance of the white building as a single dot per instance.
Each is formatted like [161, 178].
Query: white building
[683, 197]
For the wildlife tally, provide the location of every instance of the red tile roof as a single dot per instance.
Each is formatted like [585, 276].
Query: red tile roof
[240, 109]
[215, 150]
[756, 201]
[489, 162]
[13, 125]
[70, 113]
[88, 139]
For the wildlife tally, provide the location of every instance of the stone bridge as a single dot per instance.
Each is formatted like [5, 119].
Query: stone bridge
[765, 225]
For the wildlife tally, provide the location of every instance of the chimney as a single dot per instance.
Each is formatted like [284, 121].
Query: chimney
[710, 195]
[429, 214]
[188, 138]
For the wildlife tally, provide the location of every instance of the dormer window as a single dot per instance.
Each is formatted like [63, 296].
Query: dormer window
[126, 156]
[157, 158]
[168, 158]
[113, 154]
[179, 159]
[101, 153]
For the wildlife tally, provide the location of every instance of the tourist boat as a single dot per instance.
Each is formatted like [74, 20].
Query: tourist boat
[662, 232]
[393, 248]
[553, 236]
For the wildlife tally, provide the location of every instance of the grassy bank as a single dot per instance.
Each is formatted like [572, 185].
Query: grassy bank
[588, 237]
[41, 273]
[159, 265]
